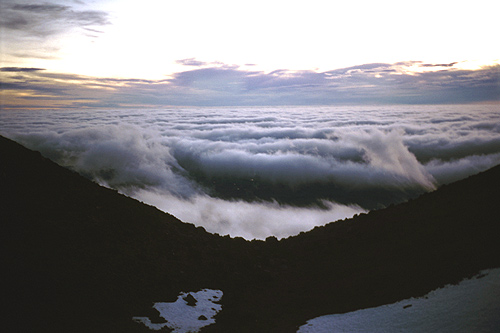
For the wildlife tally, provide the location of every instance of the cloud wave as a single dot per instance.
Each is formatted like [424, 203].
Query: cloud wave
[263, 171]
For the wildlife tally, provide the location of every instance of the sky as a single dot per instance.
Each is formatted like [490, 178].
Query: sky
[112, 53]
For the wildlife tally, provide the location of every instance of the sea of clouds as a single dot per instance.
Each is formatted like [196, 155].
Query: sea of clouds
[261, 171]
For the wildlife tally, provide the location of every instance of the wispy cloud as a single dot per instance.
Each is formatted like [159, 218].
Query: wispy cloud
[197, 63]
[451, 64]
[32, 30]
[20, 69]
[43, 20]
[191, 62]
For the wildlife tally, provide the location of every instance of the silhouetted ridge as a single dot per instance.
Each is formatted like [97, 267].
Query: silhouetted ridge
[80, 257]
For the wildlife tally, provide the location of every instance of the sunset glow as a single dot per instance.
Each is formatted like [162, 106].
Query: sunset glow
[75, 43]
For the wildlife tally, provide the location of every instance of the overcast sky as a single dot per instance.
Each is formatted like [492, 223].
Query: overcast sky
[155, 53]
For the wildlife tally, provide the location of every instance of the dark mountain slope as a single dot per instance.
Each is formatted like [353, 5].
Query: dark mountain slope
[387, 255]
[80, 257]
[398, 252]
[76, 255]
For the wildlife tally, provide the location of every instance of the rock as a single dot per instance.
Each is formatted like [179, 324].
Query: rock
[190, 300]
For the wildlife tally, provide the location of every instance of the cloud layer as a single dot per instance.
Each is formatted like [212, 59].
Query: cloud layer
[212, 84]
[263, 171]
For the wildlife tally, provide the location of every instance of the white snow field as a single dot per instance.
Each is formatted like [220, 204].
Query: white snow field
[471, 306]
[189, 313]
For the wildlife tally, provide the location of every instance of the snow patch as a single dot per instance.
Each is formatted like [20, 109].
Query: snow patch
[189, 313]
[471, 306]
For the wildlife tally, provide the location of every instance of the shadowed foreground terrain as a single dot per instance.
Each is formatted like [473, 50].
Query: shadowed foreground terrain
[77, 257]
